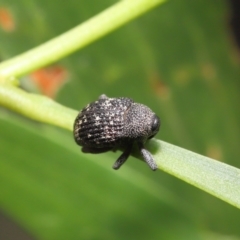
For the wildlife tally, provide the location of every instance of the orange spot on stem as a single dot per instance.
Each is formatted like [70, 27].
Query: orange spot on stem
[158, 86]
[7, 22]
[50, 79]
[214, 151]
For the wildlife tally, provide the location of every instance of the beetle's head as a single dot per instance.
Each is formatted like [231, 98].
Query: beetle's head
[141, 123]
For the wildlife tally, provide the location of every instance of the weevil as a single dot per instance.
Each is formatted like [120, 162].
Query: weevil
[112, 123]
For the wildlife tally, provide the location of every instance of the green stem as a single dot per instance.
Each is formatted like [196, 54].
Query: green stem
[78, 37]
[36, 107]
[216, 178]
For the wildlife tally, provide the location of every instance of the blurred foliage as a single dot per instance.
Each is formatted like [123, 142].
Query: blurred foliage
[180, 60]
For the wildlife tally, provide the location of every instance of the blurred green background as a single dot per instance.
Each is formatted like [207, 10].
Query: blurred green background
[179, 59]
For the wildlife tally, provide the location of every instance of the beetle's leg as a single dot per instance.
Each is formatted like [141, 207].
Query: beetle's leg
[147, 157]
[103, 96]
[123, 158]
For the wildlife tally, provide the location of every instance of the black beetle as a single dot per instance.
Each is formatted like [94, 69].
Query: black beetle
[111, 123]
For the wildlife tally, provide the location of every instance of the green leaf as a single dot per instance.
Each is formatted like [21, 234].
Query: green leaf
[179, 61]
[57, 192]
[219, 179]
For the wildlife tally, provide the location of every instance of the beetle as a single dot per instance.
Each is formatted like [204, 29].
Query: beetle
[112, 123]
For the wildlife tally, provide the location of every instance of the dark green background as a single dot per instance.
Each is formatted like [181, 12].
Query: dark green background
[179, 59]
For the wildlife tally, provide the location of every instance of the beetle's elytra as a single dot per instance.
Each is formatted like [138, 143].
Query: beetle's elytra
[109, 123]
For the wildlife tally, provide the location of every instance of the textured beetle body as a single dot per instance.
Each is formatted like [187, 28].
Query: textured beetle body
[101, 123]
[109, 123]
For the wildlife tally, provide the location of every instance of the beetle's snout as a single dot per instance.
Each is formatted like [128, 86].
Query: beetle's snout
[155, 125]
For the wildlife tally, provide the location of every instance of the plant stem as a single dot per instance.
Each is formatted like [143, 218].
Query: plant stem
[216, 178]
[76, 38]
[36, 107]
